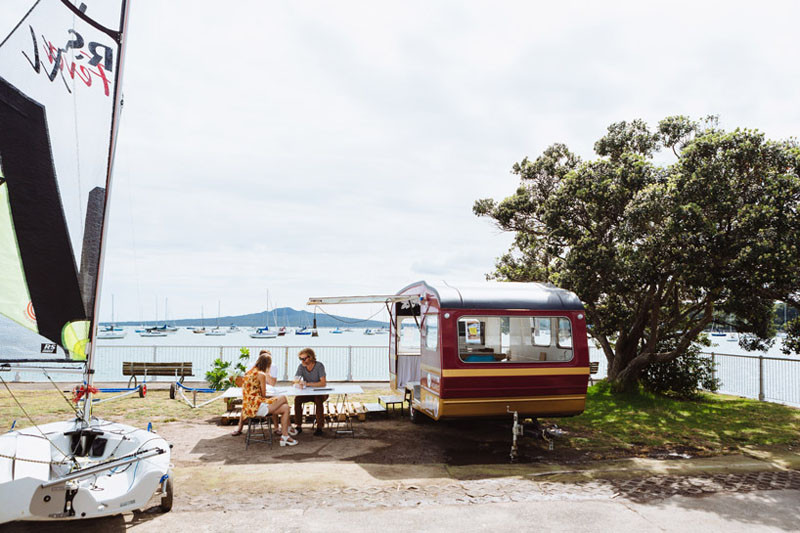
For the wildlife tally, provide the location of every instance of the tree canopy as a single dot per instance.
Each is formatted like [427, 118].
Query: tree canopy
[655, 251]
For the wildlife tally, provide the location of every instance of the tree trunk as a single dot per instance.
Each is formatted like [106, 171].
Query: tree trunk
[622, 375]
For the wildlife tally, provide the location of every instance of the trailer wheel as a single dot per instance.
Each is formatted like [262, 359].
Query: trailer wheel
[142, 390]
[172, 391]
[132, 382]
[166, 499]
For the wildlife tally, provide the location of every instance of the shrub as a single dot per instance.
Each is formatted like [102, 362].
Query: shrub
[682, 377]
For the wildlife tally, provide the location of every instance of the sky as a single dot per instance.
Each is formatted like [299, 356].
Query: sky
[336, 148]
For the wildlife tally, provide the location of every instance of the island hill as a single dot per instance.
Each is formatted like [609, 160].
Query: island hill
[283, 316]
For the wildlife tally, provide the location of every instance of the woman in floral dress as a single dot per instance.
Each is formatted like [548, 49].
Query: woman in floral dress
[254, 393]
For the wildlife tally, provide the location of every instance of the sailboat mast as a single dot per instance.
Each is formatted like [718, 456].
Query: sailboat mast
[90, 352]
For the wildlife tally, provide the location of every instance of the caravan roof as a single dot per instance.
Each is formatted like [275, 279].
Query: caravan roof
[501, 295]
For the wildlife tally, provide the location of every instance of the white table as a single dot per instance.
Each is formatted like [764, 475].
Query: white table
[331, 390]
[340, 390]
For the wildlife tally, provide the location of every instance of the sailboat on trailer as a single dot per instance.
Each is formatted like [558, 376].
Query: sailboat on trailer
[60, 75]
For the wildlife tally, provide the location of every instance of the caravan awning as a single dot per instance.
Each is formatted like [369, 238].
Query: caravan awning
[368, 299]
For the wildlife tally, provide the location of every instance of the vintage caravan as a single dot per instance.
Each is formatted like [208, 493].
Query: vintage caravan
[486, 349]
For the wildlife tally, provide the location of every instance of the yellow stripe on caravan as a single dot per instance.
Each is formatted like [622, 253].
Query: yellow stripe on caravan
[496, 372]
[512, 399]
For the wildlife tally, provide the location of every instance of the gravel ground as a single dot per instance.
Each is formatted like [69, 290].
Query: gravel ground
[449, 476]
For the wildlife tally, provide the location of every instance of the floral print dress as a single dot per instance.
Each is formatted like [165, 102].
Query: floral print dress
[251, 394]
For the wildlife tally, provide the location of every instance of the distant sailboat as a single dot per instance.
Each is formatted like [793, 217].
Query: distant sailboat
[202, 328]
[216, 331]
[111, 332]
[153, 333]
[265, 332]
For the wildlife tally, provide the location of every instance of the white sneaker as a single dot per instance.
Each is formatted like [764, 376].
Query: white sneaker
[288, 441]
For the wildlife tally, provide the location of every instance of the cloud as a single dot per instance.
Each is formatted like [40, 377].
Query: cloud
[320, 149]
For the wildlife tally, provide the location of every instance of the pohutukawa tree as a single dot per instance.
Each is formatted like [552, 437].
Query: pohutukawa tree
[656, 250]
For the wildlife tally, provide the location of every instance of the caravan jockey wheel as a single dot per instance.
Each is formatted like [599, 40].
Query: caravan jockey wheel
[142, 390]
[172, 391]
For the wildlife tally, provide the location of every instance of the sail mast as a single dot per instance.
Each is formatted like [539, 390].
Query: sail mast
[89, 375]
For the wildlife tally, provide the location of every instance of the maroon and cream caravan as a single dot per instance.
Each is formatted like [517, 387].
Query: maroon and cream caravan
[485, 349]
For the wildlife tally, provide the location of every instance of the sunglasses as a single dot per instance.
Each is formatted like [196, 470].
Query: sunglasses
[303, 358]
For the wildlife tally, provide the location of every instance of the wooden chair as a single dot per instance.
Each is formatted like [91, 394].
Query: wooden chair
[256, 424]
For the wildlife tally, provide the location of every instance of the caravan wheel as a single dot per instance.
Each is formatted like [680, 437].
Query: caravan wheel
[172, 391]
[166, 499]
[415, 416]
[142, 390]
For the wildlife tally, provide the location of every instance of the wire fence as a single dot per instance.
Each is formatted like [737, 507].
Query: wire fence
[774, 379]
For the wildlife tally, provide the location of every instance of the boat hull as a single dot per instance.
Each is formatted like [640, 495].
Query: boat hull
[32, 489]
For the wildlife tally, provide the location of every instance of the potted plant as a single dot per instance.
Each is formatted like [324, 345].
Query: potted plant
[220, 377]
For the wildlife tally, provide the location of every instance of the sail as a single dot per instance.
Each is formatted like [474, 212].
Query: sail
[59, 75]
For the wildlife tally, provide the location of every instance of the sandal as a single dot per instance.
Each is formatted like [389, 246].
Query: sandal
[291, 431]
[236, 433]
[288, 441]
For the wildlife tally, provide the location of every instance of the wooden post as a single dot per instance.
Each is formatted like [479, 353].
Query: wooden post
[286, 363]
[713, 368]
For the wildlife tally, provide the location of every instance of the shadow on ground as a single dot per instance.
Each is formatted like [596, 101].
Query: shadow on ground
[393, 441]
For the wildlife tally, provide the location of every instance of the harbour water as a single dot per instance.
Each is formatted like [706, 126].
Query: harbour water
[185, 337]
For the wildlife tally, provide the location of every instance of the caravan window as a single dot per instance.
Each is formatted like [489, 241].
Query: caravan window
[564, 333]
[514, 339]
[431, 332]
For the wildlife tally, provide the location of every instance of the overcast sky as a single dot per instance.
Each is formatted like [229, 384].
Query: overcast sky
[335, 148]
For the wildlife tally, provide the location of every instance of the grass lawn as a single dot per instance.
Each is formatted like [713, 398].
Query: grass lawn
[712, 424]
[47, 405]
[613, 425]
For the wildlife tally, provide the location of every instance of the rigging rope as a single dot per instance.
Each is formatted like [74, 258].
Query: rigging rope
[34, 423]
[348, 321]
[77, 413]
[37, 461]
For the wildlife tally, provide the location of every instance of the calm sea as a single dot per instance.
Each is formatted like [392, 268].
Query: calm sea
[185, 337]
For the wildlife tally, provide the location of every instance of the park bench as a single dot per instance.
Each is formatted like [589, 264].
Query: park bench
[140, 368]
[594, 368]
